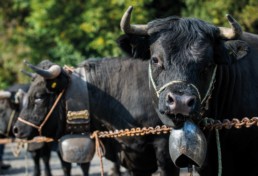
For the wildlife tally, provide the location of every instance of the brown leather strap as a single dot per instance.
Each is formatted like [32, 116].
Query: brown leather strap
[39, 128]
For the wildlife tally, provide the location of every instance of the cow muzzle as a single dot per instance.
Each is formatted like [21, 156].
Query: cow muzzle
[187, 145]
[180, 104]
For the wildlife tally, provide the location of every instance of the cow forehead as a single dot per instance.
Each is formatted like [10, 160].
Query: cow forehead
[171, 49]
[181, 35]
[38, 84]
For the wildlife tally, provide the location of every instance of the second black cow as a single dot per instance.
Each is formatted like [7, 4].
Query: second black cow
[117, 97]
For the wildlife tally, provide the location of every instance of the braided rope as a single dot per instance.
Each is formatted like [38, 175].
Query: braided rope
[212, 124]
[134, 132]
[37, 139]
[100, 150]
[207, 123]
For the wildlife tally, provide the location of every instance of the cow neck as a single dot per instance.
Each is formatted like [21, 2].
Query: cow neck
[39, 127]
[77, 115]
[204, 101]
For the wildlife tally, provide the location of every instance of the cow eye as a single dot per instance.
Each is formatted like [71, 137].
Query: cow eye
[154, 60]
[157, 62]
[39, 98]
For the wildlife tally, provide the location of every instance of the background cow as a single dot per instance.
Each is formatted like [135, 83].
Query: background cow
[10, 107]
[199, 70]
[118, 98]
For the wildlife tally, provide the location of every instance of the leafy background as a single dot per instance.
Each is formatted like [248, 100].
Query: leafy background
[69, 31]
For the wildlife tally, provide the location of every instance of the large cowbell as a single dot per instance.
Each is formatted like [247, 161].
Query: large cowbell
[77, 146]
[187, 145]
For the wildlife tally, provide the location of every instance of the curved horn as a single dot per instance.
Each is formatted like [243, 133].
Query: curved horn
[5, 94]
[126, 27]
[51, 73]
[231, 33]
[32, 75]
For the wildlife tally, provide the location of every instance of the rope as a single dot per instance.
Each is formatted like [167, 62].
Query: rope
[211, 124]
[100, 150]
[39, 128]
[37, 139]
[180, 81]
[26, 160]
[210, 85]
[219, 153]
[17, 149]
[134, 132]
[208, 123]
[205, 124]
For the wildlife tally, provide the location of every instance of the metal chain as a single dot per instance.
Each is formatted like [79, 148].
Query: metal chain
[206, 123]
[134, 132]
[211, 124]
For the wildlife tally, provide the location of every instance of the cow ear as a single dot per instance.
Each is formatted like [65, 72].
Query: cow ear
[231, 51]
[135, 46]
[237, 48]
[19, 96]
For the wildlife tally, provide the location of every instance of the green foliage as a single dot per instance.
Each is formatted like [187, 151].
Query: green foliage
[69, 31]
[214, 11]
[64, 31]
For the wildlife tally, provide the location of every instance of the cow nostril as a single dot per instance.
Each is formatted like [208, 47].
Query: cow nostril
[162, 111]
[15, 130]
[170, 99]
[191, 102]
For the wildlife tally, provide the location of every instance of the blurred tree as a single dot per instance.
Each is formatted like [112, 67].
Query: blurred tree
[214, 11]
[64, 31]
[12, 47]
[69, 31]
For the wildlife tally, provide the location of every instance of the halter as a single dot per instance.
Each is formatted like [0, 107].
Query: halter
[39, 127]
[72, 126]
[180, 81]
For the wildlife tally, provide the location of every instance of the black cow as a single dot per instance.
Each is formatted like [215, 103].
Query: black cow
[199, 70]
[10, 106]
[118, 98]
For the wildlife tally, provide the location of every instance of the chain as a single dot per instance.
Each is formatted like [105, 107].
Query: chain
[134, 132]
[211, 124]
[206, 123]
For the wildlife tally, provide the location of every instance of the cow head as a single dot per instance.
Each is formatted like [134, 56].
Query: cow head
[46, 85]
[10, 103]
[5, 110]
[184, 55]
